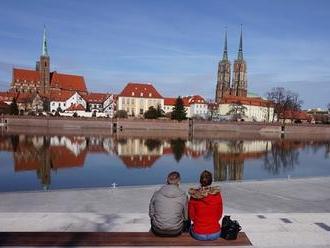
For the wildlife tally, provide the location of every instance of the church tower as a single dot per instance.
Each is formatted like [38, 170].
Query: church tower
[239, 75]
[223, 80]
[44, 66]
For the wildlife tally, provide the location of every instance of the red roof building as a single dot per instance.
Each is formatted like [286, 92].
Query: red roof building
[252, 101]
[42, 80]
[29, 81]
[140, 90]
[96, 98]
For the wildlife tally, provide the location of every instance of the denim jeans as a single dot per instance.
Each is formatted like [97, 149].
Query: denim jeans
[203, 237]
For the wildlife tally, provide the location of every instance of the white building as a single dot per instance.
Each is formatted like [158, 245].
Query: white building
[255, 108]
[65, 100]
[101, 103]
[195, 106]
[136, 98]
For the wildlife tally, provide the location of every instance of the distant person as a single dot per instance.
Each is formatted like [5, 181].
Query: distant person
[205, 209]
[168, 208]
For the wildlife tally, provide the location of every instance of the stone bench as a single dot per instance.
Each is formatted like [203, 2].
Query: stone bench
[110, 239]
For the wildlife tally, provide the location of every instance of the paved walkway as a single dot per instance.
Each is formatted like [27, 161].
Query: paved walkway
[276, 213]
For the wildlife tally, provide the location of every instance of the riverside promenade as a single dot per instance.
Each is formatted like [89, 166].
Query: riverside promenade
[273, 213]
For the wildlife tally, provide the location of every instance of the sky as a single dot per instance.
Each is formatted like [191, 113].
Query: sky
[175, 44]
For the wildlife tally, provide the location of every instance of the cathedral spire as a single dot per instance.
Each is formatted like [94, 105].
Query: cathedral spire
[44, 43]
[240, 49]
[225, 51]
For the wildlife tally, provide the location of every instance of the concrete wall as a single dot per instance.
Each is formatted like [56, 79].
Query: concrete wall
[124, 124]
[307, 129]
[58, 122]
[162, 126]
[236, 126]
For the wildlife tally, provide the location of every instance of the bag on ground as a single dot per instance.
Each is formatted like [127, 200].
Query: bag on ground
[230, 228]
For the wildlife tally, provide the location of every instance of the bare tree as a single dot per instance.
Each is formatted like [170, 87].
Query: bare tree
[285, 101]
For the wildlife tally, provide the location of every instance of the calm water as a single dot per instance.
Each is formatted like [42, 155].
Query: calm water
[53, 162]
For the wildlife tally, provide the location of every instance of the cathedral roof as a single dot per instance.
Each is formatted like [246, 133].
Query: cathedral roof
[68, 82]
[140, 90]
[254, 101]
[57, 80]
[24, 74]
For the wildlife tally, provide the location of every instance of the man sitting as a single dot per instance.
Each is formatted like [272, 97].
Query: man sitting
[168, 208]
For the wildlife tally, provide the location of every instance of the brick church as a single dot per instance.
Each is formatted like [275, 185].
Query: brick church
[44, 82]
[238, 85]
[231, 89]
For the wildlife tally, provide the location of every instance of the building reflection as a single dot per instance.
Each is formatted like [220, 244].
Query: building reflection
[229, 157]
[45, 155]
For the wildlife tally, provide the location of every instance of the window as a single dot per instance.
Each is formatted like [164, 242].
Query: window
[150, 95]
[53, 104]
[141, 94]
[141, 111]
[132, 93]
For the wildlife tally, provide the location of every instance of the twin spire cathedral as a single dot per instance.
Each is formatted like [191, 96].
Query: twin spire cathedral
[238, 86]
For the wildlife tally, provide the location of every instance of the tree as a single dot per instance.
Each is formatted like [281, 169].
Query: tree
[178, 146]
[46, 105]
[121, 114]
[237, 110]
[14, 107]
[153, 144]
[88, 107]
[179, 112]
[160, 112]
[151, 113]
[293, 104]
[284, 101]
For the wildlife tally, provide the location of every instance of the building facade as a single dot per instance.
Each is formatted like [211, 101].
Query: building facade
[137, 98]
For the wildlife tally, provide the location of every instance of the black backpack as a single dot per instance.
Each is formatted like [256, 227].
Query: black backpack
[230, 228]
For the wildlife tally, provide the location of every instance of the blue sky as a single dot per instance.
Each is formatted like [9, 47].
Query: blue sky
[174, 44]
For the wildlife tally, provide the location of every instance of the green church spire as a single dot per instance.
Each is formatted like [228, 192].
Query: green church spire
[225, 51]
[44, 43]
[240, 49]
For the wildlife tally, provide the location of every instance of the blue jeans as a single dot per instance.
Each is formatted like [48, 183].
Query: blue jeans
[210, 236]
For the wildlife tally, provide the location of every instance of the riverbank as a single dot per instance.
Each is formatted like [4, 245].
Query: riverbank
[273, 213]
[164, 128]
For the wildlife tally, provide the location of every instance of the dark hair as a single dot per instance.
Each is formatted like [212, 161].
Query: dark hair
[206, 178]
[173, 177]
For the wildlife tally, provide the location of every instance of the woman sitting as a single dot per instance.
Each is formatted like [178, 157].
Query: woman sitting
[205, 209]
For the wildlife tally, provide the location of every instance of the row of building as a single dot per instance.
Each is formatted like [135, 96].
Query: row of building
[41, 90]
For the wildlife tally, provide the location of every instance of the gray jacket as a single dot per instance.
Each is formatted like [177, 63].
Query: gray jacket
[168, 208]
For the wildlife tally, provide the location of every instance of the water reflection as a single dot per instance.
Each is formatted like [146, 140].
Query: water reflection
[44, 154]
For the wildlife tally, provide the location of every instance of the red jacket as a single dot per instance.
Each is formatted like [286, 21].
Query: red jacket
[206, 213]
